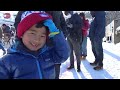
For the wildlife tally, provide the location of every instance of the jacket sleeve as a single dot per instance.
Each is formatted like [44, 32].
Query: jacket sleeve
[77, 22]
[63, 25]
[4, 74]
[86, 26]
[56, 18]
[100, 24]
[61, 48]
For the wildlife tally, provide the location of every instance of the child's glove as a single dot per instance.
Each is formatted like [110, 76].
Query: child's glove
[52, 28]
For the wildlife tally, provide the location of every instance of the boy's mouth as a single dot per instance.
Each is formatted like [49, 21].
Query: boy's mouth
[34, 45]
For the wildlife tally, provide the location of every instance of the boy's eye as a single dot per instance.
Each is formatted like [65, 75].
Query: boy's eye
[43, 36]
[32, 33]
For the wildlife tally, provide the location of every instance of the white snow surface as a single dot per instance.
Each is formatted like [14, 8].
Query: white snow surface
[111, 64]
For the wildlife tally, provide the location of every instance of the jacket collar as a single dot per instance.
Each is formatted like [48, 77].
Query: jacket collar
[19, 47]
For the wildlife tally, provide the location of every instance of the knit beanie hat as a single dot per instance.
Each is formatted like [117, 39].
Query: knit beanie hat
[28, 19]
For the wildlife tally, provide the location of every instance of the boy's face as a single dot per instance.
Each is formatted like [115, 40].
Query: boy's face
[34, 38]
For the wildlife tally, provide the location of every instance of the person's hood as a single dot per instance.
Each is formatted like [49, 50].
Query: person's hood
[92, 13]
[98, 13]
[67, 16]
[74, 12]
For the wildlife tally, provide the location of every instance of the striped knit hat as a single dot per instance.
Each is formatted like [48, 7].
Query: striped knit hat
[28, 19]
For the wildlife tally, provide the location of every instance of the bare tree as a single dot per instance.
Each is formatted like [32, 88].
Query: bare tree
[112, 15]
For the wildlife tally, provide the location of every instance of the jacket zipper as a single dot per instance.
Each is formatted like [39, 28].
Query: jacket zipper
[38, 66]
[39, 69]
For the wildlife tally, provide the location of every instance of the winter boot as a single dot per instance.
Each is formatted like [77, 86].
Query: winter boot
[78, 70]
[81, 57]
[93, 64]
[98, 68]
[71, 67]
[84, 57]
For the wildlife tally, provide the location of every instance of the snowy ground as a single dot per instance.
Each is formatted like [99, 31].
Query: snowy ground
[111, 68]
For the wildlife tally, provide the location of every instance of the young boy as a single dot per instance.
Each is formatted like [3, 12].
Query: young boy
[41, 45]
[59, 22]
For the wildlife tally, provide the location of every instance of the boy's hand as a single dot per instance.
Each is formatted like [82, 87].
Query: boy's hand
[52, 28]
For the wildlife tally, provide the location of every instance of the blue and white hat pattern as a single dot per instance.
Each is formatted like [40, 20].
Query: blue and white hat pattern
[26, 13]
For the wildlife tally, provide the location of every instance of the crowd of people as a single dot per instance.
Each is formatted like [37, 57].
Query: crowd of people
[6, 32]
[45, 39]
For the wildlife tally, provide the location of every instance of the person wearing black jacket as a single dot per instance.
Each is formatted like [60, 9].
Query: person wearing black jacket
[74, 26]
[60, 23]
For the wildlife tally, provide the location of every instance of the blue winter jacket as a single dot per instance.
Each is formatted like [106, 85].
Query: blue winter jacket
[20, 63]
[97, 27]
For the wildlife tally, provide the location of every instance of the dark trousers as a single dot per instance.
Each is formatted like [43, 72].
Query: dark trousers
[74, 48]
[97, 50]
[57, 71]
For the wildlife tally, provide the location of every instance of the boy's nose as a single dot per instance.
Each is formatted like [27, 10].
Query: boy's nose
[36, 40]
